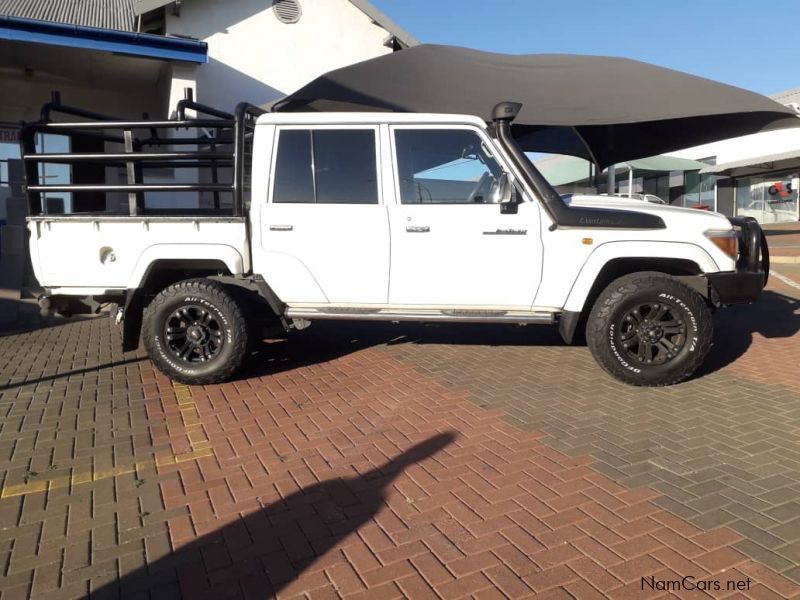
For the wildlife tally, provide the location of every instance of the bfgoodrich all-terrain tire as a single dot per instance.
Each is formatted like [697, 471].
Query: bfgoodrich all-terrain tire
[649, 329]
[195, 332]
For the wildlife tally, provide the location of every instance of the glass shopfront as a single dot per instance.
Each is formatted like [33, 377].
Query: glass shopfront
[699, 191]
[771, 198]
[9, 151]
[57, 203]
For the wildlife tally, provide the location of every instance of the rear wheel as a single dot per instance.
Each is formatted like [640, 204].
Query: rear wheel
[195, 332]
[649, 329]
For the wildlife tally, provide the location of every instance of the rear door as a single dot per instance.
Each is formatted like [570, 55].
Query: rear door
[325, 229]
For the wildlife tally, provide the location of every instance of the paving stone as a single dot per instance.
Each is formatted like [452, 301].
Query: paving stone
[756, 534]
[784, 512]
[788, 531]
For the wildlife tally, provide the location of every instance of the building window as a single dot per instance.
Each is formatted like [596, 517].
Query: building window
[700, 190]
[9, 151]
[769, 198]
[49, 173]
[326, 166]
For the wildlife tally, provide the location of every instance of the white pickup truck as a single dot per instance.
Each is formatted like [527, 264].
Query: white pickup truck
[367, 216]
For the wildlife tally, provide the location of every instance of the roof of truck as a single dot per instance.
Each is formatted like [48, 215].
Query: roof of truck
[366, 118]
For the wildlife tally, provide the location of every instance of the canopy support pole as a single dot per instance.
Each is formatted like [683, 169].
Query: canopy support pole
[597, 168]
[611, 179]
[630, 181]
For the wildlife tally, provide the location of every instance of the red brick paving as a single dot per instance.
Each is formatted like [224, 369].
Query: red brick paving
[302, 496]
[333, 479]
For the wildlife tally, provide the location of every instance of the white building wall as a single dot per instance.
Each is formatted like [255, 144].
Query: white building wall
[256, 58]
[105, 83]
[748, 146]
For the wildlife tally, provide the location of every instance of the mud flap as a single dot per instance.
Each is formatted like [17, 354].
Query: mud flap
[132, 319]
[567, 325]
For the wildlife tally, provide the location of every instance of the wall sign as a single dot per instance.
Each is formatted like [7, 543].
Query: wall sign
[780, 188]
[9, 135]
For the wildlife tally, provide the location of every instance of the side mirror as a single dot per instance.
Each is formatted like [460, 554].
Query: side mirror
[503, 192]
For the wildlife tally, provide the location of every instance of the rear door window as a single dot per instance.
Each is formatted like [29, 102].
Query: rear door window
[326, 166]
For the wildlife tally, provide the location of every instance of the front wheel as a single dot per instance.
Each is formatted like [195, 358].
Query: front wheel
[649, 329]
[195, 332]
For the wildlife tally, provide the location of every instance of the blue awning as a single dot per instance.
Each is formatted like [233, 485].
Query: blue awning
[146, 45]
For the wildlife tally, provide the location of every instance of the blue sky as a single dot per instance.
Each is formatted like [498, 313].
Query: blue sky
[746, 43]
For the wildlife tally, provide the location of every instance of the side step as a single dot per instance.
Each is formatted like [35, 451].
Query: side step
[425, 315]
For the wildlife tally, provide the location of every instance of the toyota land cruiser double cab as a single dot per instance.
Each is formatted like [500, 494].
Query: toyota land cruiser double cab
[297, 217]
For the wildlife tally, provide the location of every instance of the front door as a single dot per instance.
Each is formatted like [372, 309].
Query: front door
[325, 230]
[451, 246]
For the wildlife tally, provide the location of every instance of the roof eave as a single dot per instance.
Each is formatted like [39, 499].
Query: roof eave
[144, 45]
[403, 37]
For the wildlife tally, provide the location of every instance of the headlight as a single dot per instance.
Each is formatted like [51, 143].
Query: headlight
[726, 240]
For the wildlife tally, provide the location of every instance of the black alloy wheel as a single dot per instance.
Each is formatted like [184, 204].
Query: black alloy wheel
[193, 334]
[652, 333]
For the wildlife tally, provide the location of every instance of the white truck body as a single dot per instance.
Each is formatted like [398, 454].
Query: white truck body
[364, 256]
[94, 255]
[388, 259]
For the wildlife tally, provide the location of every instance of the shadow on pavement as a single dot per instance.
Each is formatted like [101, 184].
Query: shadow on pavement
[83, 371]
[774, 315]
[260, 554]
[774, 232]
[327, 340]
[21, 316]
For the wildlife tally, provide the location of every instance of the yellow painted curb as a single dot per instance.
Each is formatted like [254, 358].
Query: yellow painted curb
[785, 260]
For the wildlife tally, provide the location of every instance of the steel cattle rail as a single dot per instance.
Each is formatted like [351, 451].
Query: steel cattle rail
[217, 144]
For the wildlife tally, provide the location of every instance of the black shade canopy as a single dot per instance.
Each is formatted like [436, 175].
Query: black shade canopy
[603, 109]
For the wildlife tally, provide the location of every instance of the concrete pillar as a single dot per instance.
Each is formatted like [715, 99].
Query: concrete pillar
[630, 182]
[611, 179]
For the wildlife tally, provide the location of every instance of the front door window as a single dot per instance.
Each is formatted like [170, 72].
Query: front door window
[444, 167]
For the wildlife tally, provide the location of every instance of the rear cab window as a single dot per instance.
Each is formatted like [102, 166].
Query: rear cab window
[326, 166]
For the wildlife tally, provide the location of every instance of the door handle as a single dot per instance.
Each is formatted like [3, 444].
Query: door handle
[281, 227]
[417, 228]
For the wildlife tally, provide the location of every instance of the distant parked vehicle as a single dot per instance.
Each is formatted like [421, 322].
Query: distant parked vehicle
[768, 212]
[653, 199]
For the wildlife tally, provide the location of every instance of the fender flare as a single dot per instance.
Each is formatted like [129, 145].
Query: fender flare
[134, 301]
[227, 254]
[605, 253]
